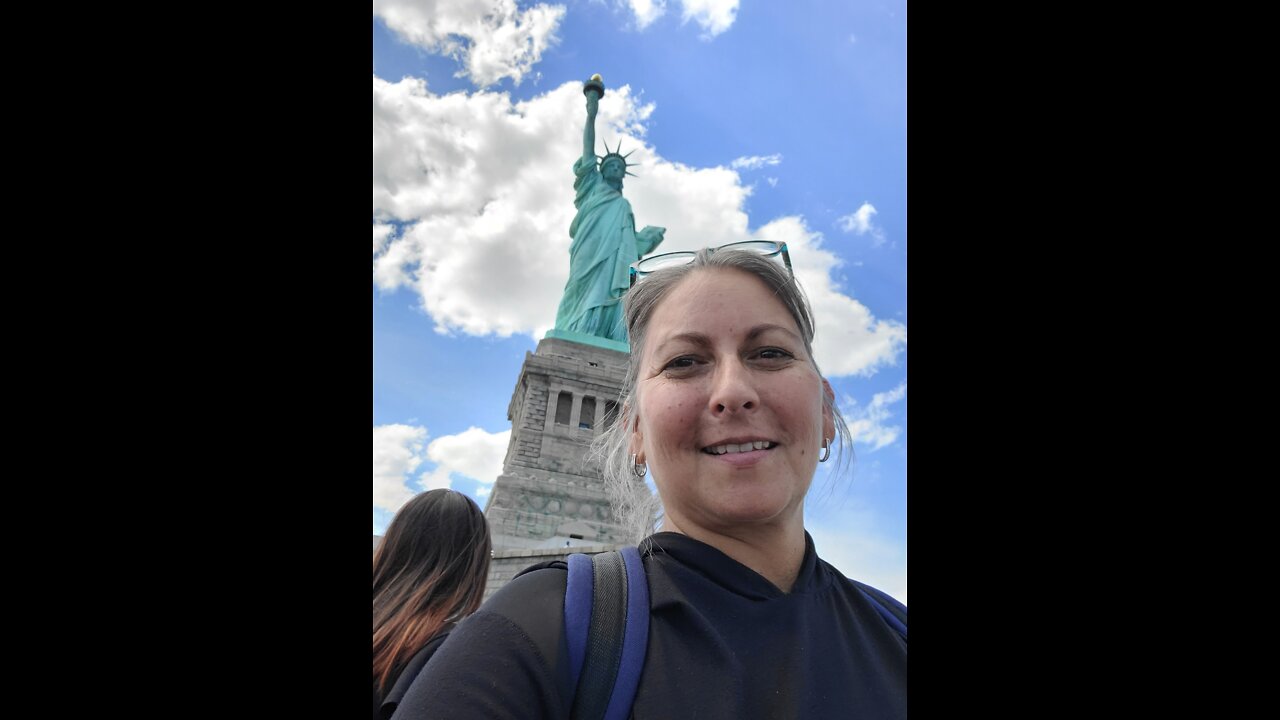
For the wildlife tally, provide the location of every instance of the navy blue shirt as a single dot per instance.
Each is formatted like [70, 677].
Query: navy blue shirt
[724, 642]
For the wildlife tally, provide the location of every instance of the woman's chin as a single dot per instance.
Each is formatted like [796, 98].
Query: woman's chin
[749, 509]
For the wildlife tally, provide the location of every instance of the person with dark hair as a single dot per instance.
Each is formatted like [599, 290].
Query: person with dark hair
[429, 573]
[725, 408]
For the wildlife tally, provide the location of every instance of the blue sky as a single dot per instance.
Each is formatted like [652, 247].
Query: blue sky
[782, 121]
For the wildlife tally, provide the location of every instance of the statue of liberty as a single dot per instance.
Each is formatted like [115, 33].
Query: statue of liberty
[605, 240]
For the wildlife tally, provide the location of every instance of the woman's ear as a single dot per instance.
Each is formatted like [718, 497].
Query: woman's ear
[636, 445]
[828, 412]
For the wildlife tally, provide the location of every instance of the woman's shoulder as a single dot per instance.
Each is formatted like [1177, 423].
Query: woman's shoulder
[531, 605]
[857, 587]
[534, 597]
[503, 660]
[890, 610]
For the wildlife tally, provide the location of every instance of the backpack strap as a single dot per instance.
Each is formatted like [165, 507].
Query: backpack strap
[577, 611]
[606, 609]
[893, 612]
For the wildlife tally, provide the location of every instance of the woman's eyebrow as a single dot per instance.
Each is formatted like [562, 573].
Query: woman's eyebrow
[701, 340]
[693, 338]
[759, 330]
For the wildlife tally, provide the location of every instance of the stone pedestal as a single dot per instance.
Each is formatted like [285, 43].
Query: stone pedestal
[550, 491]
[550, 500]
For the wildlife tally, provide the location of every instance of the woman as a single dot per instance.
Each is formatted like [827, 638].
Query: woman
[429, 572]
[725, 406]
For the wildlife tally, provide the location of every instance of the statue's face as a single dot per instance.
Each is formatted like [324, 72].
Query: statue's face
[613, 169]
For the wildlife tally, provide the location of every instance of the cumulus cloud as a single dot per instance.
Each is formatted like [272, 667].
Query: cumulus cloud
[715, 16]
[848, 339]
[484, 187]
[381, 234]
[472, 453]
[859, 223]
[647, 11]
[491, 39]
[397, 451]
[754, 162]
[773, 182]
[868, 425]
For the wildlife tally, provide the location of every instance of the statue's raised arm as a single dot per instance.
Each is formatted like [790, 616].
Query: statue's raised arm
[605, 241]
[589, 131]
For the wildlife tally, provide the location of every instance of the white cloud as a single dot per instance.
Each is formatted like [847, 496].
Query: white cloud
[858, 551]
[492, 39]
[647, 11]
[438, 479]
[485, 188]
[848, 339]
[381, 234]
[859, 223]
[773, 182]
[397, 451]
[755, 161]
[715, 16]
[868, 425]
[484, 491]
[471, 453]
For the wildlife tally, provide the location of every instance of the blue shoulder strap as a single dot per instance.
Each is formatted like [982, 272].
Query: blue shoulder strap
[606, 623]
[577, 611]
[893, 612]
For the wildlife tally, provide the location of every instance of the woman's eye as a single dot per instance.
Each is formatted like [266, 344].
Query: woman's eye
[774, 354]
[680, 363]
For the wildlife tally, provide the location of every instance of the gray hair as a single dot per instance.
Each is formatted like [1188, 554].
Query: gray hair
[637, 509]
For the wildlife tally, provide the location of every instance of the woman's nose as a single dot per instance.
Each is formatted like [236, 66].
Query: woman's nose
[732, 390]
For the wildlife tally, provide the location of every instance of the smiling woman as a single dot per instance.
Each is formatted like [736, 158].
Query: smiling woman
[758, 295]
[729, 414]
[726, 406]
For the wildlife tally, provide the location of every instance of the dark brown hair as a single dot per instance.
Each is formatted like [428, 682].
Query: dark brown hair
[429, 570]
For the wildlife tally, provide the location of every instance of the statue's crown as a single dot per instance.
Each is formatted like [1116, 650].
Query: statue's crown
[616, 153]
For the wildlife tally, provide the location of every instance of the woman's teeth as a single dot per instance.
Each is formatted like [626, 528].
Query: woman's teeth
[744, 447]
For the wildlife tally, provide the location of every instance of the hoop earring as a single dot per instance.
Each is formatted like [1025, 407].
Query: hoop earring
[636, 468]
[826, 451]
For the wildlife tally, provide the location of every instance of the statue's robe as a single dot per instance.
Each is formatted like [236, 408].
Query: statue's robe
[605, 243]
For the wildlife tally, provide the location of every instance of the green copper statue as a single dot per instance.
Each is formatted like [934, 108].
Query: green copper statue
[605, 241]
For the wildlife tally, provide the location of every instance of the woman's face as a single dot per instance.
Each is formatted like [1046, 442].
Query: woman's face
[724, 365]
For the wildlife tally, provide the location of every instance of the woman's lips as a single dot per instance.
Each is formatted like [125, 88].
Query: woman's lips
[741, 459]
